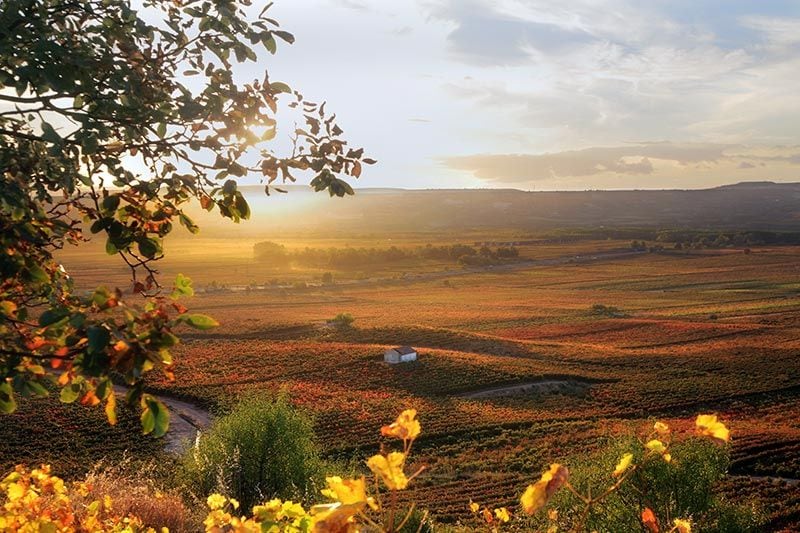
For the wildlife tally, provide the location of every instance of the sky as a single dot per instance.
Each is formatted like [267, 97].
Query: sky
[554, 95]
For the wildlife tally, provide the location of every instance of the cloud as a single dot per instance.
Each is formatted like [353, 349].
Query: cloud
[353, 4]
[635, 160]
[780, 31]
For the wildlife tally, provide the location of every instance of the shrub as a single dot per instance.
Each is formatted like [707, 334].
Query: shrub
[262, 449]
[342, 321]
[607, 310]
[670, 480]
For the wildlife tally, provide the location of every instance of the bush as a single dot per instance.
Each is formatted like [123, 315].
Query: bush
[682, 487]
[607, 310]
[262, 449]
[342, 321]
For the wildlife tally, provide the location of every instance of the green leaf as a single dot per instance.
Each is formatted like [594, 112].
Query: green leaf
[51, 316]
[269, 42]
[183, 287]
[162, 130]
[34, 388]
[98, 338]
[188, 223]
[285, 35]
[199, 321]
[155, 417]
[279, 87]
[38, 274]
[49, 134]
[70, 393]
[148, 247]
[110, 203]
[148, 420]
[7, 403]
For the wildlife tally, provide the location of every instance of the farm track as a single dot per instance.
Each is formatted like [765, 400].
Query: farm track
[185, 421]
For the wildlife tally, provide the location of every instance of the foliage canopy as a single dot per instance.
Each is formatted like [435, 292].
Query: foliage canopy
[111, 121]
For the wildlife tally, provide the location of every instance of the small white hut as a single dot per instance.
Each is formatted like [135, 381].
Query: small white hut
[401, 354]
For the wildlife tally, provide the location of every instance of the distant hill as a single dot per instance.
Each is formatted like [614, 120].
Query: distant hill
[751, 205]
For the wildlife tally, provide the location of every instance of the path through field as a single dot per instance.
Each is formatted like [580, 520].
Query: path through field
[185, 421]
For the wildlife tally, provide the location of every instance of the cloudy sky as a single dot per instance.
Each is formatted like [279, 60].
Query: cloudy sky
[544, 94]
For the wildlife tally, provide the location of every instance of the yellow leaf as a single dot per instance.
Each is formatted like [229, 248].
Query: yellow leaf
[658, 447]
[661, 428]
[348, 491]
[334, 517]
[682, 526]
[538, 494]
[709, 426]
[390, 469]
[406, 427]
[473, 507]
[111, 408]
[623, 464]
[502, 514]
[216, 501]
[15, 491]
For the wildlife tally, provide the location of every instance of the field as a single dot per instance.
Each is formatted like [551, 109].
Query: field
[627, 338]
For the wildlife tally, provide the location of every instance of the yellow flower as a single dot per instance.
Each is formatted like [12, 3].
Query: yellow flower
[502, 514]
[661, 428]
[709, 426]
[682, 526]
[390, 469]
[538, 494]
[473, 507]
[348, 491]
[406, 427]
[656, 446]
[216, 501]
[623, 464]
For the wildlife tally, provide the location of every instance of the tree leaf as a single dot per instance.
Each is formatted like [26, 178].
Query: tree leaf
[198, 321]
[111, 408]
[7, 402]
[155, 417]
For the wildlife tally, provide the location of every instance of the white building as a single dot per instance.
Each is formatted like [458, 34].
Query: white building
[401, 354]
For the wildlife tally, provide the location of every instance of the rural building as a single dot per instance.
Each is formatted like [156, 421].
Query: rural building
[401, 354]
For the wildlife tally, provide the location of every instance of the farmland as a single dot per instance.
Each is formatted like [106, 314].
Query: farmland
[640, 336]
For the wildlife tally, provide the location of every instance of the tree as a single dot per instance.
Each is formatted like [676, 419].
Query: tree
[112, 121]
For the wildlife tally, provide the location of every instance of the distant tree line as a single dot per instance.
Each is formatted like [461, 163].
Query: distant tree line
[686, 238]
[348, 258]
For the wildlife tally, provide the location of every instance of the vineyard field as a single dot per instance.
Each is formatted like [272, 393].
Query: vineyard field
[648, 335]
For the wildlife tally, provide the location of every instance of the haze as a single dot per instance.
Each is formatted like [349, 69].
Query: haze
[538, 95]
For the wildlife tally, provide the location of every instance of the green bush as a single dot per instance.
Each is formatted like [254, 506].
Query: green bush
[342, 321]
[262, 449]
[683, 488]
